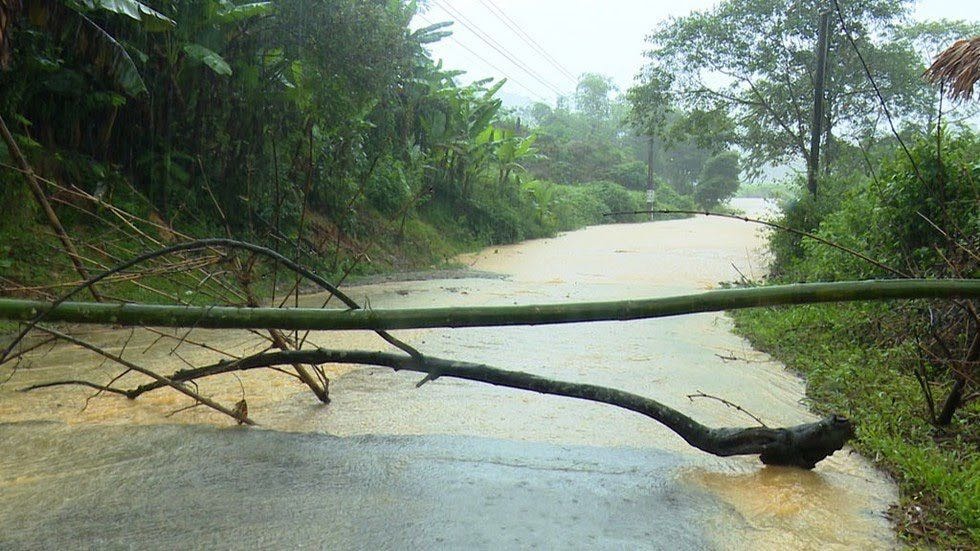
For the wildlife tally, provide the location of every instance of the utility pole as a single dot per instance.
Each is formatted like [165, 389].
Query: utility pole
[813, 163]
[650, 190]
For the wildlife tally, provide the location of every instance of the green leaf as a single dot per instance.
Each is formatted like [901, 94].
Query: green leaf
[525, 146]
[494, 89]
[209, 58]
[484, 136]
[91, 42]
[431, 33]
[151, 19]
[230, 12]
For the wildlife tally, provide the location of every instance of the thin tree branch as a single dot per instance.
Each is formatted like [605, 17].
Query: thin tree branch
[727, 403]
[163, 381]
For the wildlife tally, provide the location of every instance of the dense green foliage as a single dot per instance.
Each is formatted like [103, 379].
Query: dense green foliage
[917, 214]
[599, 139]
[718, 180]
[748, 66]
[319, 120]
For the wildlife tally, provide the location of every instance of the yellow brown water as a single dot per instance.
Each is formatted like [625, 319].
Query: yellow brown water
[564, 450]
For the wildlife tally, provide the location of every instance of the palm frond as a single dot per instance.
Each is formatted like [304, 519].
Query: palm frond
[957, 68]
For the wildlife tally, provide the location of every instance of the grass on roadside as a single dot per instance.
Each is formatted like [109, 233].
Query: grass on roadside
[938, 472]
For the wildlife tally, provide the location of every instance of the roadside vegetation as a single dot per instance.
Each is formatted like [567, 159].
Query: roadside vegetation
[906, 374]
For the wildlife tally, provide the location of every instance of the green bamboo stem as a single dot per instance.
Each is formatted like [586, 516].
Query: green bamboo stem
[217, 317]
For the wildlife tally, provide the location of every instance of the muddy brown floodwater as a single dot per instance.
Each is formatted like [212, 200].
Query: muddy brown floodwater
[452, 464]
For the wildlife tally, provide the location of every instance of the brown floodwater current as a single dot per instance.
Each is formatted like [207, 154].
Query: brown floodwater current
[451, 464]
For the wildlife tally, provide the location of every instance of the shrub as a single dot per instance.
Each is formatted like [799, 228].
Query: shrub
[718, 180]
[631, 175]
[616, 198]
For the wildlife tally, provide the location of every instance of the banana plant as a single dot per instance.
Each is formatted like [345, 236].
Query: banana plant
[69, 20]
[543, 199]
[456, 127]
[510, 151]
[203, 33]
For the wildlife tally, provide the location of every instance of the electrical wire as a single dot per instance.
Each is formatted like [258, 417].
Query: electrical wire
[499, 48]
[491, 65]
[502, 16]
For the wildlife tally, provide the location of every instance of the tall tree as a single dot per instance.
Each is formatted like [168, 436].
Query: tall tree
[592, 98]
[754, 60]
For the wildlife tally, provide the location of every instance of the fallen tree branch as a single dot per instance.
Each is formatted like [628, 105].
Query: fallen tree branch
[801, 445]
[223, 317]
[161, 380]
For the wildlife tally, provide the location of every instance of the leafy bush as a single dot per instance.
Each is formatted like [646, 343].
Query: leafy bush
[631, 175]
[718, 180]
[576, 207]
[668, 198]
[388, 187]
[616, 198]
[919, 226]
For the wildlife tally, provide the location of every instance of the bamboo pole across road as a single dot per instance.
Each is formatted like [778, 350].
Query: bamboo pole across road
[218, 317]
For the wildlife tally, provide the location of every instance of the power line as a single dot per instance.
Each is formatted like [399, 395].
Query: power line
[499, 48]
[484, 36]
[492, 66]
[501, 15]
[874, 84]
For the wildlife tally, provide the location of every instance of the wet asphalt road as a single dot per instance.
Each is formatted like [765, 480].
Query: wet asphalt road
[288, 490]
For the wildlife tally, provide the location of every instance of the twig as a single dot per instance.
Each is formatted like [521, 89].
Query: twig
[185, 408]
[732, 405]
[31, 348]
[164, 381]
[206, 244]
[101, 388]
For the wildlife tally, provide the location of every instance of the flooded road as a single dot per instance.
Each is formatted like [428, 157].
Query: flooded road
[452, 464]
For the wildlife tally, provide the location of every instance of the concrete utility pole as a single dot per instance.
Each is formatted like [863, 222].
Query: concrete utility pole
[650, 190]
[818, 92]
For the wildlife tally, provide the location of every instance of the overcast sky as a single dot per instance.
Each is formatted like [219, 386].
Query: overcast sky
[605, 36]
